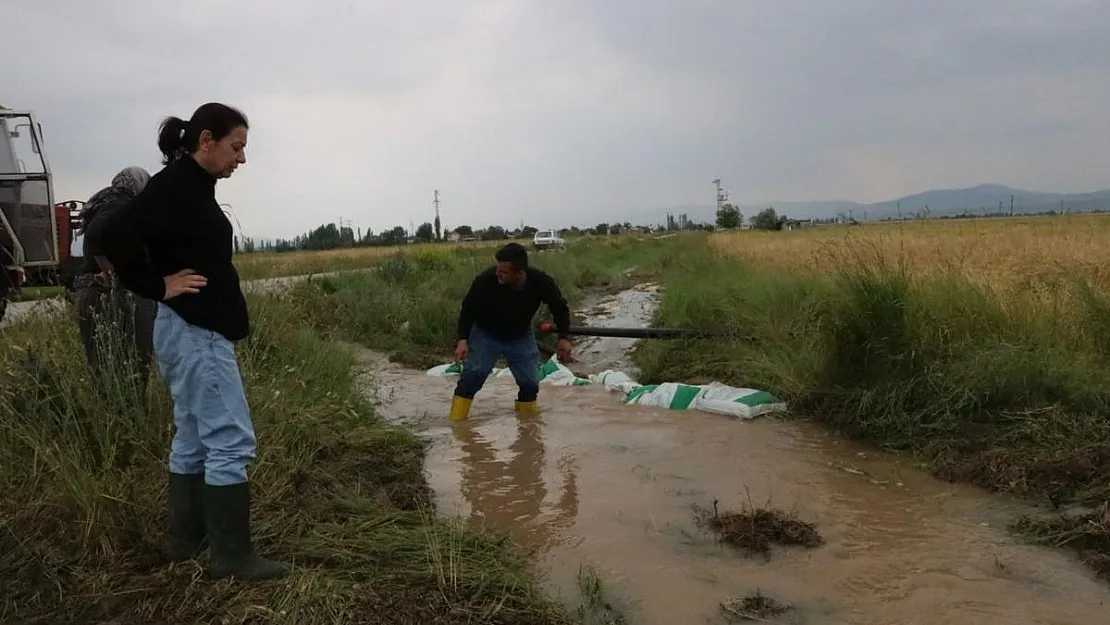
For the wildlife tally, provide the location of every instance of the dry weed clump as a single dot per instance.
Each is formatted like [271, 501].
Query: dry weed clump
[754, 607]
[755, 530]
[1087, 532]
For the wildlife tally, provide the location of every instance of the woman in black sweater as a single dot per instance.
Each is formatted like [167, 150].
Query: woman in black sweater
[174, 245]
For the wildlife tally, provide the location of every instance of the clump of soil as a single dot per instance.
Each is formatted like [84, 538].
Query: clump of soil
[1087, 532]
[754, 530]
[754, 607]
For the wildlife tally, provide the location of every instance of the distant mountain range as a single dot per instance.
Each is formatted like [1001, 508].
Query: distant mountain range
[977, 200]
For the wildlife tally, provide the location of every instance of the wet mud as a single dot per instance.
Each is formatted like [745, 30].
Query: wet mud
[592, 481]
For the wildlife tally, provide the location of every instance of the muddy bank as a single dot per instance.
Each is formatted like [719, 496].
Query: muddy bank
[599, 482]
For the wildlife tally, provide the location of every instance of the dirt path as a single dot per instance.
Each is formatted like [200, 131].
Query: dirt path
[594, 481]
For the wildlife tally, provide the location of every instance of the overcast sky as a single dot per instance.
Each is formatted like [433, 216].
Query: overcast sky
[566, 112]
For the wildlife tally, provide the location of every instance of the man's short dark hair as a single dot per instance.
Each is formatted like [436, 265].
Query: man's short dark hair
[513, 253]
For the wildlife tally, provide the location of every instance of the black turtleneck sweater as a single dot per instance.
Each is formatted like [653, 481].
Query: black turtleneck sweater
[176, 223]
[506, 312]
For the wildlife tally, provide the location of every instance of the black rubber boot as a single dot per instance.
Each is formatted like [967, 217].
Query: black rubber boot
[187, 536]
[228, 515]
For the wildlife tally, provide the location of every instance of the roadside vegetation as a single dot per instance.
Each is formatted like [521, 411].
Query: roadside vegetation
[35, 293]
[260, 265]
[338, 492]
[979, 347]
[408, 306]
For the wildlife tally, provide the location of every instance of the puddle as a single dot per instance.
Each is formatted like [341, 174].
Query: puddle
[592, 481]
[627, 309]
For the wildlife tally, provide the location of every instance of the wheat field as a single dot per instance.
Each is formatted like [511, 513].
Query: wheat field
[1003, 254]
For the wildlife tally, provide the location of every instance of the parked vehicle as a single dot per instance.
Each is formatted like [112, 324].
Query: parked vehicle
[547, 239]
[35, 233]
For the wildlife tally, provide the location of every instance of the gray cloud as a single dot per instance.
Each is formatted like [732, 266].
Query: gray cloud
[574, 111]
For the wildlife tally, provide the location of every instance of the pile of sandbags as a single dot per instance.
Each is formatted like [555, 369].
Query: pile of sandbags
[743, 403]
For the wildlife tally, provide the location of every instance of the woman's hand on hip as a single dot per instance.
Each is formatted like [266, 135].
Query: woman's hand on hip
[183, 282]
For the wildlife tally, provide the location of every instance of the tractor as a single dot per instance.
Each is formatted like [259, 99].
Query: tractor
[35, 233]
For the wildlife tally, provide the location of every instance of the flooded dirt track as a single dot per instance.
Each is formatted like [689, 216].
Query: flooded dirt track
[592, 481]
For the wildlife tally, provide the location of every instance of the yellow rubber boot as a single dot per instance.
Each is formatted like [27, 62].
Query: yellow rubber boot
[460, 408]
[526, 408]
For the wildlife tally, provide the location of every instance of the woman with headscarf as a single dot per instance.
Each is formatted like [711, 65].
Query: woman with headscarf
[117, 326]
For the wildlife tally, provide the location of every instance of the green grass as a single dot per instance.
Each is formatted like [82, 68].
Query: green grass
[596, 608]
[1009, 394]
[35, 293]
[408, 306]
[338, 492]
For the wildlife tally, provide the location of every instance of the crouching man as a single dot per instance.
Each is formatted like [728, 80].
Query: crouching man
[496, 320]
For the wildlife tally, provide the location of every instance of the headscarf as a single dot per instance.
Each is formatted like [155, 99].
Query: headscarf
[125, 186]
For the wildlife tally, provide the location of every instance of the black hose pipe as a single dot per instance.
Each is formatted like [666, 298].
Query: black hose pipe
[633, 333]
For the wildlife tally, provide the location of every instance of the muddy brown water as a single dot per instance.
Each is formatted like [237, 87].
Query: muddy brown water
[595, 482]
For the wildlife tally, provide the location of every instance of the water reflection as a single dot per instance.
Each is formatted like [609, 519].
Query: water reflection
[901, 547]
[511, 494]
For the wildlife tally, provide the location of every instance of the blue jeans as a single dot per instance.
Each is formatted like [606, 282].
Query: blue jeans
[214, 432]
[522, 354]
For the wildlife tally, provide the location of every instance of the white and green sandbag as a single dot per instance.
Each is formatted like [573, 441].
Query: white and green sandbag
[743, 403]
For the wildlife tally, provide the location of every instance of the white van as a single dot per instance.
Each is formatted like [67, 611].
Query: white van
[547, 239]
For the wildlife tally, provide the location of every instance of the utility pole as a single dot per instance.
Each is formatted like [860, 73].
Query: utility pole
[435, 201]
[345, 224]
[722, 195]
[1011, 206]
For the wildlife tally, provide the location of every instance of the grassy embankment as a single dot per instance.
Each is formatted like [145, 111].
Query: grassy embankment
[978, 346]
[409, 306]
[338, 491]
[258, 265]
[35, 293]
[262, 265]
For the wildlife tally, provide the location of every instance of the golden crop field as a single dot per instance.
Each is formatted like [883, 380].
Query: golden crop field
[1019, 252]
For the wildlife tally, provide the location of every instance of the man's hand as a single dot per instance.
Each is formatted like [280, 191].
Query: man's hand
[563, 350]
[461, 350]
[183, 282]
[104, 264]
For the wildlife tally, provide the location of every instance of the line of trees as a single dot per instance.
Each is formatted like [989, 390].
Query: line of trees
[333, 236]
[729, 218]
